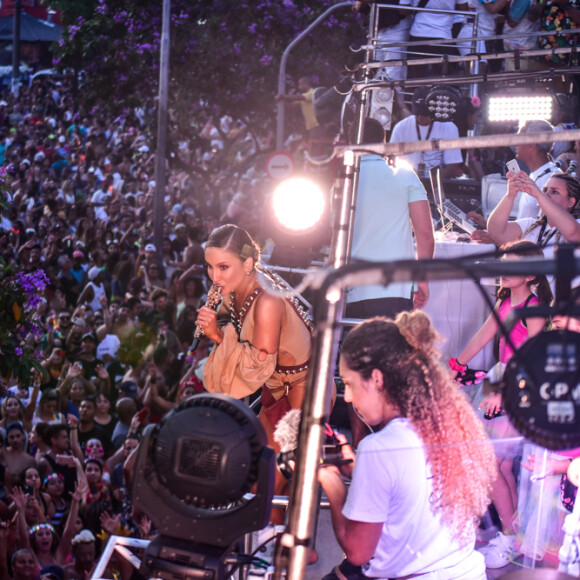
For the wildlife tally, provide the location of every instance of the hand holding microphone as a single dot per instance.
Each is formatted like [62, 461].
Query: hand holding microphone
[206, 316]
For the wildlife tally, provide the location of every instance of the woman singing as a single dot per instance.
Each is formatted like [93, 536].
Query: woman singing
[266, 341]
[420, 483]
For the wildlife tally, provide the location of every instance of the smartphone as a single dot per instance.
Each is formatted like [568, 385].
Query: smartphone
[512, 165]
[143, 414]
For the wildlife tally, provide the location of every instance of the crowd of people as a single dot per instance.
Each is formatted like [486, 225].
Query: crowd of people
[520, 24]
[119, 316]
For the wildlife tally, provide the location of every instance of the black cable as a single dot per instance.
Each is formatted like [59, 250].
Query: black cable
[248, 559]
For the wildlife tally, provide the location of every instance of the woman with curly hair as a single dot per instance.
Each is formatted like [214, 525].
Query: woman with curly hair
[421, 483]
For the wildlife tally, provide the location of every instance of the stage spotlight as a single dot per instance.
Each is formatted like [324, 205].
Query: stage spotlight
[298, 205]
[520, 108]
[205, 477]
[296, 218]
[542, 389]
[443, 102]
[382, 101]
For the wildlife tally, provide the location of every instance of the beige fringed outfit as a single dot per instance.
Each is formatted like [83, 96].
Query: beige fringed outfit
[235, 369]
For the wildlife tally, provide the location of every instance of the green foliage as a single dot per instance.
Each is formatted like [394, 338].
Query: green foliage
[133, 346]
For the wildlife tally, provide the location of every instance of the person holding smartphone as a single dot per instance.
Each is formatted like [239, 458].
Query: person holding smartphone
[537, 159]
[53, 365]
[558, 201]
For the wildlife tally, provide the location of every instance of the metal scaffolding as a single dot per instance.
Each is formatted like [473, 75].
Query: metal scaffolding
[292, 554]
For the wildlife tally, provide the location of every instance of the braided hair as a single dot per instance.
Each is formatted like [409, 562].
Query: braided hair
[461, 457]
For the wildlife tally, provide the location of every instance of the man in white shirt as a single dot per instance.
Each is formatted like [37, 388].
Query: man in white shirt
[392, 221]
[421, 127]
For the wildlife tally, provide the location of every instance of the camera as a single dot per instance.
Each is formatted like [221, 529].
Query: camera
[286, 435]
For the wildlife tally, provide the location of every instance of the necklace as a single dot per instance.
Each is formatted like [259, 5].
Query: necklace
[238, 318]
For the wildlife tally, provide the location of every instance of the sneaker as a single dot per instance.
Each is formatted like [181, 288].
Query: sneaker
[498, 552]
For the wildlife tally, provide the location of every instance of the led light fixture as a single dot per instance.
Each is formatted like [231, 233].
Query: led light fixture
[443, 103]
[520, 108]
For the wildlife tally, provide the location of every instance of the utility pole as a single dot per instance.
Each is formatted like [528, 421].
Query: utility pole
[160, 173]
[16, 48]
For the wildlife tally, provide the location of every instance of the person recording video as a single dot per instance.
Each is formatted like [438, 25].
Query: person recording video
[419, 484]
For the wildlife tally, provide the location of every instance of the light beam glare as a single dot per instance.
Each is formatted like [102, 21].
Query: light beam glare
[298, 204]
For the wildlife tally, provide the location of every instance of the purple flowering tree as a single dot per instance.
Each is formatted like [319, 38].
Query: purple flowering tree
[20, 295]
[224, 53]
[224, 58]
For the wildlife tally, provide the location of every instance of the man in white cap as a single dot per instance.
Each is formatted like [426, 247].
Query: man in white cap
[94, 292]
[146, 258]
[179, 242]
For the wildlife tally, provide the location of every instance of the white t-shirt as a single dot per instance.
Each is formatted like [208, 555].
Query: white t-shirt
[485, 27]
[407, 130]
[391, 484]
[546, 239]
[99, 291]
[382, 229]
[434, 24]
[528, 206]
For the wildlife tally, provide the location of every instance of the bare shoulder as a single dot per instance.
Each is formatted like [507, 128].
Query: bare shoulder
[269, 306]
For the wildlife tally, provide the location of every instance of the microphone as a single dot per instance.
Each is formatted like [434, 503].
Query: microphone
[286, 435]
[214, 296]
[287, 429]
